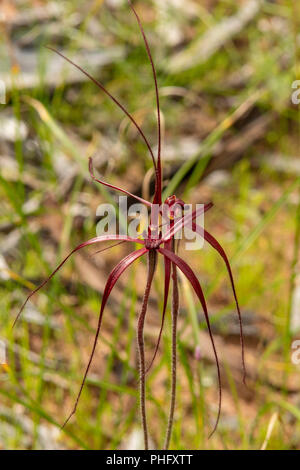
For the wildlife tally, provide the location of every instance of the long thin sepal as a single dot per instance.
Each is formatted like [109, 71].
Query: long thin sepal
[117, 102]
[216, 245]
[106, 248]
[167, 263]
[157, 195]
[183, 221]
[187, 271]
[92, 241]
[91, 170]
[111, 281]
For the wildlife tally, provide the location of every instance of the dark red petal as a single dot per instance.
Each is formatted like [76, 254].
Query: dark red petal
[92, 241]
[111, 97]
[187, 271]
[216, 245]
[184, 221]
[111, 281]
[143, 201]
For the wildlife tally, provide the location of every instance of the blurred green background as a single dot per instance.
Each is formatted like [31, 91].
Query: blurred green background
[230, 135]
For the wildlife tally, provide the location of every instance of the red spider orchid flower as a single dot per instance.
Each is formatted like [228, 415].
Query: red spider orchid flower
[154, 243]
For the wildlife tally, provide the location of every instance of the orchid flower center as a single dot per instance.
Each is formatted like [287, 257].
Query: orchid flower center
[175, 207]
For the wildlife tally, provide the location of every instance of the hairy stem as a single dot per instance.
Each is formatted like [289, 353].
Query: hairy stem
[175, 310]
[152, 257]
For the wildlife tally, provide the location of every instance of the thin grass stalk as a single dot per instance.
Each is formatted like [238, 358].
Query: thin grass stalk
[152, 257]
[175, 310]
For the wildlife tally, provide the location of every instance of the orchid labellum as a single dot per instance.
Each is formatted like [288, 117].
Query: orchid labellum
[153, 245]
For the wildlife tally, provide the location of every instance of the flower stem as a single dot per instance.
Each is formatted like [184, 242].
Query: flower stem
[152, 257]
[175, 310]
